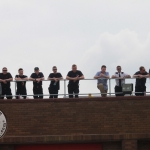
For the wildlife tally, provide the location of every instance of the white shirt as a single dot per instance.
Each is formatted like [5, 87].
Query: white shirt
[122, 75]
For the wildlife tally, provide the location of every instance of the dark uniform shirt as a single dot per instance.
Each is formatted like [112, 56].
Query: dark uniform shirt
[73, 75]
[21, 84]
[3, 77]
[54, 85]
[140, 81]
[35, 76]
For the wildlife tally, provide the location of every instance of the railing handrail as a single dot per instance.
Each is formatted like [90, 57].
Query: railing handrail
[79, 79]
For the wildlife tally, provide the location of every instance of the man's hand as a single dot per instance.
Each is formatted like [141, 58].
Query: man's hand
[76, 78]
[4, 81]
[38, 80]
[55, 79]
[140, 76]
[19, 78]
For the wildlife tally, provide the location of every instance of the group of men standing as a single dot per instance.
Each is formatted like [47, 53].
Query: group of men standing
[102, 77]
[37, 77]
[73, 86]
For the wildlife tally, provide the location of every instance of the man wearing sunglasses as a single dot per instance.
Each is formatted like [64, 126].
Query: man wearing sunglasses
[5, 78]
[141, 75]
[54, 85]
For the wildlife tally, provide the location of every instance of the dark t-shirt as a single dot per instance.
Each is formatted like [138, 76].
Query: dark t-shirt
[140, 81]
[54, 85]
[73, 75]
[3, 77]
[35, 76]
[21, 84]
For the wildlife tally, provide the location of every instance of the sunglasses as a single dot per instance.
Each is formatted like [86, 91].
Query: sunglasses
[4, 70]
[54, 69]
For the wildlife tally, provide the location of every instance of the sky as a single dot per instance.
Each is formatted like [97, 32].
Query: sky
[89, 33]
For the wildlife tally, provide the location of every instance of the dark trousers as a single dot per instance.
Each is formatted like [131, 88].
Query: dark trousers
[118, 89]
[21, 91]
[73, 90]
[6, 91]
[140, 89]
[38, 92]
[52, 92]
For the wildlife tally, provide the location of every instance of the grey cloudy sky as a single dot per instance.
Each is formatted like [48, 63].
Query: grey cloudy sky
[89, 33]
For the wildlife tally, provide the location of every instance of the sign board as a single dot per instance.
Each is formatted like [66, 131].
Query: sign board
[3, 124]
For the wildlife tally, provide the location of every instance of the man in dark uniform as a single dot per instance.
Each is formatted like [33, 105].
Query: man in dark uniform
[37, 78]
[21, 84]
[5, 78]
[54, 85]
[74, 76]
[140, 76]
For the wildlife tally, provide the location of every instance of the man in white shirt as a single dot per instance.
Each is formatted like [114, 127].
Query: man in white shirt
[120, 82]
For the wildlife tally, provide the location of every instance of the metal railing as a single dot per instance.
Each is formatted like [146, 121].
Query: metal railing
[64, 94]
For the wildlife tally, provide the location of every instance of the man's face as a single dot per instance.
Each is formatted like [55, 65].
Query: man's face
[103, 69]
[119, 69]
[20, 72]
[74, 68]
[142, 70]
[36, 71]
[54, 70]
[4, 70]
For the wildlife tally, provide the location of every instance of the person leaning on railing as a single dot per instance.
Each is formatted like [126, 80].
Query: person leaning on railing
[54, 84]
[74, 76]
[102, 77]
[5, 78]
[21, 84]
[120, 82]
[141, 75]
[37, 77]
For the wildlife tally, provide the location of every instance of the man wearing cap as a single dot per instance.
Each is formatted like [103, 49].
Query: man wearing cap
[74, 76]
[21, 84]
[5, 78]
[37, 78]
[54, 85]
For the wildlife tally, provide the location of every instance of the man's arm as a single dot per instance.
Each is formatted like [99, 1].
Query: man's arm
[20, 79]
[26, 78]
[69, 78]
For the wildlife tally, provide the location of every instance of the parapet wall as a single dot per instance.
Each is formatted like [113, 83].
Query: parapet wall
[76, 120]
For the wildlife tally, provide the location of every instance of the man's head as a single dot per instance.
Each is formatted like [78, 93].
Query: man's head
[20, 71]
[4, 70]
[36, 70]
[142, 69]
[103, 68]
[74, 68]
[118, 68]
[54, 69]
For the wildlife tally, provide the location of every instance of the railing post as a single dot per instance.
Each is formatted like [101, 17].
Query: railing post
[109, 87]
[64, 88]
[15, 87]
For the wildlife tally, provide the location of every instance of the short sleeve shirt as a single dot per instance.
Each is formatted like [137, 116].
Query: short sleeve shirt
[122, 75]
[3, 77]
[140, 82]
[73, 75]
[103, 81]
[21, 84]
[35, 76]
[53, 85]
